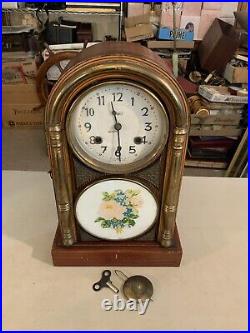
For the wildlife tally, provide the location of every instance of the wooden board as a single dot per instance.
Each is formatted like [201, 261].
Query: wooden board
[106, 253]
[222, 132]
[205, 164]
[216, 120]
[168, 44]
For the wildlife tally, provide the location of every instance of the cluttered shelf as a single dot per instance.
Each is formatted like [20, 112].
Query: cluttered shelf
[213, 72]
[83, 11]
[106, 8]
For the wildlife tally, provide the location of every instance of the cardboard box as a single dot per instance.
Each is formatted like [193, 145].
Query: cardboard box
[212, 5]
[20, 94]
[236, 74]
[138, 28]
[135, 9]
[191, 8]
[146, 8]
[167, 19]
[220, 94]
[168, 6]
[22, 116]
[191, 22]
[21, 106]
[218, 46]
[228, 9]
[206, 20]
[18, 67]
[229, 20]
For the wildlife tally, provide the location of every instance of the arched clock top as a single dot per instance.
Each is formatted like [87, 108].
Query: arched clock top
[117, 61]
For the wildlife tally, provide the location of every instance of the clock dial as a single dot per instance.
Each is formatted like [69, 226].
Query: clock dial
[117, 127]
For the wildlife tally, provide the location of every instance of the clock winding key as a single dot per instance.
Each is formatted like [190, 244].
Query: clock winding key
[105, 282]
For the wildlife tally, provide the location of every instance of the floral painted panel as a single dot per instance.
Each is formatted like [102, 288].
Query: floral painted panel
[116, 209]
[120, 209]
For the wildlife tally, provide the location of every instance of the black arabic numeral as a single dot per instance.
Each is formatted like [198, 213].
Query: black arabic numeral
[132, 150]
[144, 139]
[104, 148]
[92, 140]
[90, 112]
[145, 110]
[118, 152]
[117, 97]
[87, 126]
[100, 100]
[148, 127]
[133, 101]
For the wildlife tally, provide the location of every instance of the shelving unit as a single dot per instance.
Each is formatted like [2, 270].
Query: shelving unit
[85, 12]
[61, 11]
[119, 9]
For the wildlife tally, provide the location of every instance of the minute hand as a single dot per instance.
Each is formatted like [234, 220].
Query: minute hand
[117, 127]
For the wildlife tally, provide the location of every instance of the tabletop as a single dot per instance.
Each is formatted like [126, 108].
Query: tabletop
[207, 292]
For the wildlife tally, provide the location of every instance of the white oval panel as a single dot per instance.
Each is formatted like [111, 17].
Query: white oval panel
[116, 209]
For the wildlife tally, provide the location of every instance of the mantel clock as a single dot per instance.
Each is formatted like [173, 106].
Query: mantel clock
[116, 127]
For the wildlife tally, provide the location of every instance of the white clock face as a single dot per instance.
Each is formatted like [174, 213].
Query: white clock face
[117, 127]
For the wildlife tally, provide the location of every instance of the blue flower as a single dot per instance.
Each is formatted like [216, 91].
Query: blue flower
[127, 212]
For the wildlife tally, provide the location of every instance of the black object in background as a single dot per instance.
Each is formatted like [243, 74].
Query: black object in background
[65, 31]
[55, 33]
[46, 5]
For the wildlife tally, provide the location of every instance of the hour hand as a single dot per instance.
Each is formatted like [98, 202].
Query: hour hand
[113, 109]
[114, 113]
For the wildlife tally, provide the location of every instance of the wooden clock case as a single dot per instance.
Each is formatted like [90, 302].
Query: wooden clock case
[121, 61]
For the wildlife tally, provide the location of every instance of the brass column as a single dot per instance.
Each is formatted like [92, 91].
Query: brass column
[172, 188]
[62, 184]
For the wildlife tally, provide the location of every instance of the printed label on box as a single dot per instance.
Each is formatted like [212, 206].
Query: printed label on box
[181, 34]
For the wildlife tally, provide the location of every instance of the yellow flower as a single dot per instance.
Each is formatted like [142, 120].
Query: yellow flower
[131, 193]
[111, 209]
[136, 201]
[119, 230]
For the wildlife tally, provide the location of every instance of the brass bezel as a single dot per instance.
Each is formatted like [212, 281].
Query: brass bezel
[79, 194]
[98, 165]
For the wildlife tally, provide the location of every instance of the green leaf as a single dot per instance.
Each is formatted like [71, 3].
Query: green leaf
[128, 221]
[108, 196]
[132, 216]
[131, 223]
[99, 219]
[106, 224]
